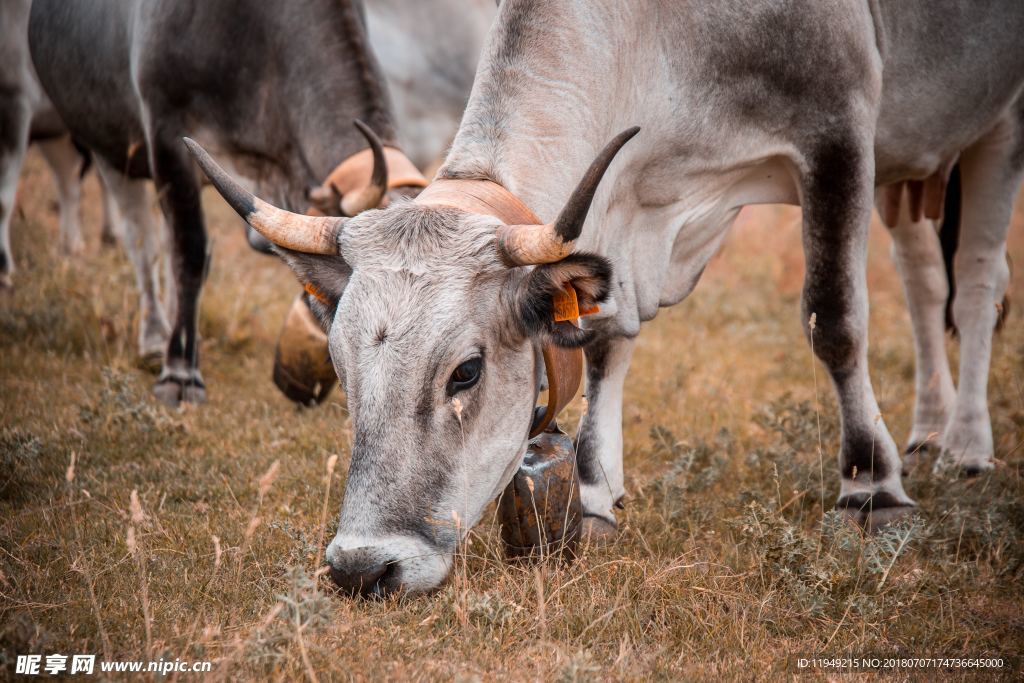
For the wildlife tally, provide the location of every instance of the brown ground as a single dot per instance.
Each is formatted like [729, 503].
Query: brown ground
[723, 568]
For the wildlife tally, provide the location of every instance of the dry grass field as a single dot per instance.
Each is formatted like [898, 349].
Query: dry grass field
[725, 567]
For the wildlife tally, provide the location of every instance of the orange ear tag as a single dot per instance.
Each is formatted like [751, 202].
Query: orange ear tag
[567, 307]
[315, 292]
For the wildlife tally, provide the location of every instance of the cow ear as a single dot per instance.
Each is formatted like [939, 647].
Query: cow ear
[324, 278]
[588, 274]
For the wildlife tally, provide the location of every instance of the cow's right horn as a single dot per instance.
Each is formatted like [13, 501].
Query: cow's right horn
[308, 234]
[535, 244]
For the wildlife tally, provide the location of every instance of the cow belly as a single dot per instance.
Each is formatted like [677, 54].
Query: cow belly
[950, 71]
[81, 53]
[46, 124]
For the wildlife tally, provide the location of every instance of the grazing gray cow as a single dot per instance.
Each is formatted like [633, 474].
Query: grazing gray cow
[273, 87]
[437, 308]
[26, 115]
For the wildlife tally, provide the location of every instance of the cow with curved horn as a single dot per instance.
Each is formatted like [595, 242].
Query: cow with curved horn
[274, 88]
[513, 268]
[436, 324]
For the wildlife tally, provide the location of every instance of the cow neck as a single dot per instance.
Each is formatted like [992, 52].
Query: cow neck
[355, 172]
[564, 367]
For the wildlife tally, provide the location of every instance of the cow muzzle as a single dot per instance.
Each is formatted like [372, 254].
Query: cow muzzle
[386, 565]
[360, 572]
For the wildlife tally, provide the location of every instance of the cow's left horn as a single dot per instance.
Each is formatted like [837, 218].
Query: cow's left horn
[534, 244]
[369, 197]
[308, 234]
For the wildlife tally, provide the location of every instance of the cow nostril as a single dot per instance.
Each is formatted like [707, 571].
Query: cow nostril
[360, 580]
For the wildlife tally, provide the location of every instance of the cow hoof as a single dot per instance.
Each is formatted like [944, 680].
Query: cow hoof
[193, 393]
[963, 466]
[172, 392]
[6, 282]
[597, 531]
[108, 238]
[874, 512]
[168, 393]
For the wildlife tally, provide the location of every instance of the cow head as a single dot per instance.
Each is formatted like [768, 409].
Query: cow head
[372, 177]
[435, 319]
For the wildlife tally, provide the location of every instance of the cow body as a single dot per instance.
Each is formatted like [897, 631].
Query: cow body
[429, 76]
[273, 87]
[801, 101]
[730, 117]
[26, 115]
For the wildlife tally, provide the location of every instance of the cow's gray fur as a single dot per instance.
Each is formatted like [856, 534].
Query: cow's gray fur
[429, 51]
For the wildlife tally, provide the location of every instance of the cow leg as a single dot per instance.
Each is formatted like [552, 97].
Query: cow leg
[141, 241]
[111, 230]
[14, 125]
[992, 170]
[178, 189]
[599, 441]
[66, 162]
[167, 281]
[918, 257]
[837, 199]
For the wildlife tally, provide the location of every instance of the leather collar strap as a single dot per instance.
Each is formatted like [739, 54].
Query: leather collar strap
[565, 374]
[564, 366]
[354, 173]
[479, 196]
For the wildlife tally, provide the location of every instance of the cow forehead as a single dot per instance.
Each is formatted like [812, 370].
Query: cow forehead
[418, 316]
[399, 307]
[422, 239]
[417, 271]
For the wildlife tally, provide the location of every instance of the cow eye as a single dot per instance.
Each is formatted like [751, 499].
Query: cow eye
[466, 375]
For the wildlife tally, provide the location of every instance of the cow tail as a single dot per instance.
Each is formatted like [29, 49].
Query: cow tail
[949, 238]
